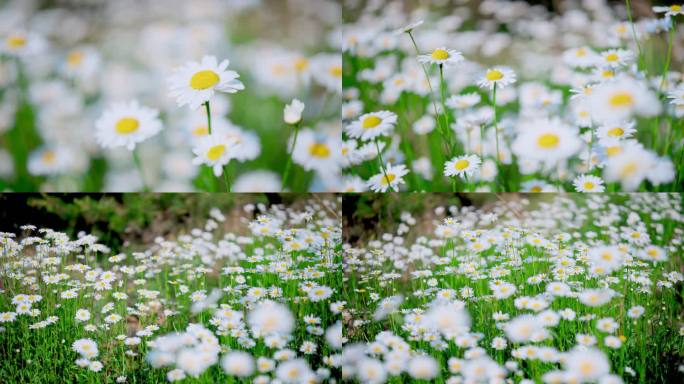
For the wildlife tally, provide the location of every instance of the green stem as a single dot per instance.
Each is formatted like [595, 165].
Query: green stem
[634, 35]
[208, 109]
[138, 164]
[226, 177]
[427, 77]
[496, 128]
[442, 92]
[382, 163]
[288, 165]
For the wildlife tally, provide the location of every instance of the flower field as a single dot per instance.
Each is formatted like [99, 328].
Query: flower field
[259, 303]
[559, 289]
[173, 95]
[511, 96]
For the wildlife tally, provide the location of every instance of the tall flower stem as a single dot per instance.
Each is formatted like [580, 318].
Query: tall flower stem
[382, 163]
[288, 165]
[432, 92]
[226, 177]
[666, 68]
[442, 93]
[138, 164]
[496, 124]
[634, 35]
[208, 109]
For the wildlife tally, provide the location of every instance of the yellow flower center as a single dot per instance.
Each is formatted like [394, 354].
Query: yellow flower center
[16, 41]
[675, 8]
[371, 122]
[621, 100]
[607, 256]
[494, 75]
[586, 368]
[49, 157]
[607, 74]
[204, 79]
[301, 64]
[588, 185]
[548, 140]
[461, 164]
[74, 58]
[581, 52]
[616, 132]
[200, 131]
[440, 54]
[127, 125]
[536, 189]
[652, 252]
[386, 180]
[336, 71]
[319, 150]
[611, 57]
[216, 152]
[628, 169]
[614, 150]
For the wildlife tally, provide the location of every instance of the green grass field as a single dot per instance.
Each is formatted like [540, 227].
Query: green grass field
[225, 280]
[397, 280]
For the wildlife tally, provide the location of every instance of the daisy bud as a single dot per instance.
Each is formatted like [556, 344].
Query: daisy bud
[292, 114]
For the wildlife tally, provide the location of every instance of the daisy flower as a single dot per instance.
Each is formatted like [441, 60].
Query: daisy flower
[621, 99]
[51, 160]
[410, 27]
[195, 83]
[462, 166]
[614, 58]
[238, 363]
[126, 124]
[672, 10]
[547, 140]
[611, 132]
[372, 125]
[22, 44]
[677, 96]
[588, 183]
[499, 76]
[442, 56]
[395, 177]
[327, 71]
[318, 151]
[85, 347]
[214, 151]
[464, 101]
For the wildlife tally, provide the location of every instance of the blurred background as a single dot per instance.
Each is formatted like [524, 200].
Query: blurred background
[77, 57]
[122, 219]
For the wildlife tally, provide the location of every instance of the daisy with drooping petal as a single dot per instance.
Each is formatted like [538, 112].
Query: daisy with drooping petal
[214, 151]
[126, 124]
[588, 183]
[372, 125]
[442, 56]
[196, 82]
[395, 177]
[499, 76]
[672, 10]
[463, 166]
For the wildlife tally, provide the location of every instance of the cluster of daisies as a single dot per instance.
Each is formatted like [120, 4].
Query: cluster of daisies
[259, 303]
[561, 290]
[594, 111]
[90, 106]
